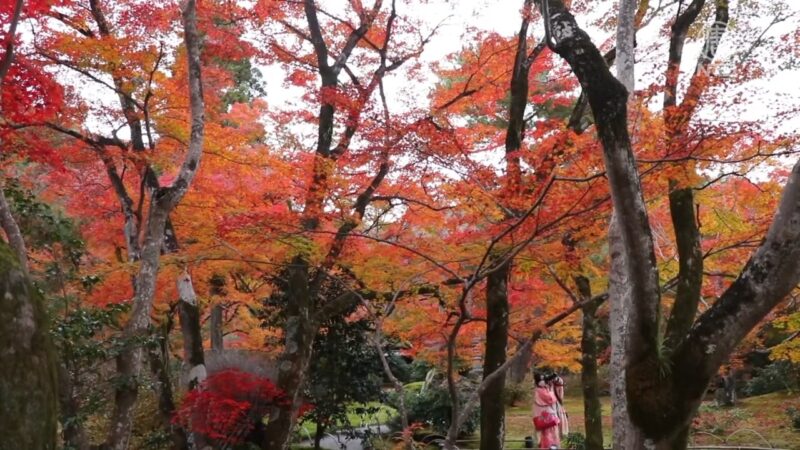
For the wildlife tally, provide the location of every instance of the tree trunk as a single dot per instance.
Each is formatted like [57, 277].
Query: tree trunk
[28, 374]
[593, 416]
[73, 434]
[159, 367]
[291, 376]
[190, 328]
[129, 360]
[320, 433]
[13, 232]
[300, 330]
[492, 405]
[217, 344]
[163, 200]
[193, 357]
[625, 436]
[519, 370]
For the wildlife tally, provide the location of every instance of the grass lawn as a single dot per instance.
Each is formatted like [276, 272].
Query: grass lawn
[357, 417]
[756, 421]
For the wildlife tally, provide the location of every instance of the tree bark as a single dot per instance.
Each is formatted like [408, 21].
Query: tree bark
[190, 329]
[7, 222]
[73, 433]
[193, 357]
[217, 343]
[625, 436]
[626, 43]
[300, 330]
[492, 406]
[519, 370]
[216, 325]
[164, 200]
[318, 435]
[13, 233]
[28, 373]
[660, 400]
[159, 367]
[593, 415]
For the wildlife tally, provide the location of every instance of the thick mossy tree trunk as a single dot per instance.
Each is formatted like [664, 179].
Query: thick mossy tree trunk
[492, 406]
[28, 375]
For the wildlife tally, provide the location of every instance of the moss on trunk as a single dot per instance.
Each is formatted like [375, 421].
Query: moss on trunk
[28, 378]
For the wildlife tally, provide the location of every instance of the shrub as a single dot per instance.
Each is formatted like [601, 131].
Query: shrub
[777, 376]
[576, 441]
[432, 407]
[515, 393]
[794, 417]
[418, 370]
[228, 405]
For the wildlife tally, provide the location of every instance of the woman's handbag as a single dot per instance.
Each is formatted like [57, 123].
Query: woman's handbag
[544, 421]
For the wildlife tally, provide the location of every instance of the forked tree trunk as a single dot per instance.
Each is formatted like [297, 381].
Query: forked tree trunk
[493, 415]
[662, 402]
[163, 201]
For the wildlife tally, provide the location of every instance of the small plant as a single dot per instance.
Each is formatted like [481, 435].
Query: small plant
[794, 417]
[718, 421]
[575, 441]
[515, 393]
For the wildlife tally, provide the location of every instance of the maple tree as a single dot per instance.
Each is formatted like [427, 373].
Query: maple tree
[457, 224]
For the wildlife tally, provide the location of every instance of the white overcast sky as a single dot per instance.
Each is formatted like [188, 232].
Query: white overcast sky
[503, 17]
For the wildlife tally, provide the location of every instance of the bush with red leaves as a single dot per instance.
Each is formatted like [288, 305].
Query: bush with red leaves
[229, 404]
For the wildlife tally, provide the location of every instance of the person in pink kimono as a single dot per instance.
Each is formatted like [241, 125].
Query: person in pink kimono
[545, 411]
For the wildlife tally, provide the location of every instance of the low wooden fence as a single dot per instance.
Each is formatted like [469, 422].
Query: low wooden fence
[520, 444]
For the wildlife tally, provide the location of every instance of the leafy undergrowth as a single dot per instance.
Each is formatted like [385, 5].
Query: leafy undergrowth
[754, 421]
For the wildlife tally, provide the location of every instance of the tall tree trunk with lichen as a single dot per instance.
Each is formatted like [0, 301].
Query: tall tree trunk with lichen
[163, 201]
